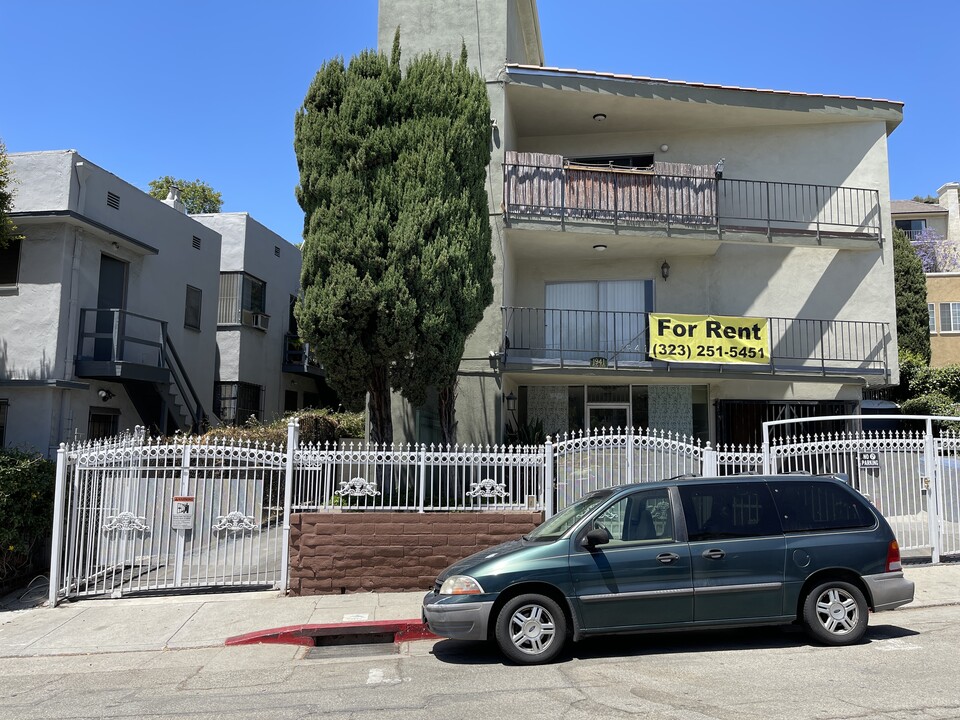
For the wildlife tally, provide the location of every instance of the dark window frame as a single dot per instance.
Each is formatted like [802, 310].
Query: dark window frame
[10, 263]
[187, 314]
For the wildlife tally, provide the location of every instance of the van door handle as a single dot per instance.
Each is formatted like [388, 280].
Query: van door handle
[667, 558]
[714, 554]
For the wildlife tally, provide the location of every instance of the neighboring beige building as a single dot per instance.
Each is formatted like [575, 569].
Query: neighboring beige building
[938, 223]
[616, 198]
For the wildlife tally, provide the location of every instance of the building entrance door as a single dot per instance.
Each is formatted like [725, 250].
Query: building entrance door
[608, 416]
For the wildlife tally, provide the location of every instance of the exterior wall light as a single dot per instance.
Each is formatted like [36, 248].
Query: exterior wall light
[510, 401]
[599, 247]
[664, 147]
[600, 117]
[105, 394]
[665, 270]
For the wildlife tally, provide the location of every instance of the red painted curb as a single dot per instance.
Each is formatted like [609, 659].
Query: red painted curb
[403, 631]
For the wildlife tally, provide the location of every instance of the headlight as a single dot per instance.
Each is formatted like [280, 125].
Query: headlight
[460, 585]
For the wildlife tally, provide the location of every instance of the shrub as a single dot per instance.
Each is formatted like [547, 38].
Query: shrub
[933, 403]
[26, 506]
[316, 426]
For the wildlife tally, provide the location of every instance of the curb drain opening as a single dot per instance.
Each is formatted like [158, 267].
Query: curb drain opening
[376, 638]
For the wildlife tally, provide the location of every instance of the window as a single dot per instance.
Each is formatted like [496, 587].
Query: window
[102, 423]
[812, 506]
[242, 299]
[4, 404]
[10, 263]
[289, 401]
[643, 517]
[191, 313]
[913, 228]
[933, 318]
[629, 161]
[950, 317]
[728, 510]
[235, 402]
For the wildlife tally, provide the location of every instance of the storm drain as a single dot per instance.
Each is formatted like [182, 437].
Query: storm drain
[353, 645]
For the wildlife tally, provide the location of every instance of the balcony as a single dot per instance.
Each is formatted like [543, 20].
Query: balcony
[115, 345]
[573, 196]
[300, 358]
[600, 341]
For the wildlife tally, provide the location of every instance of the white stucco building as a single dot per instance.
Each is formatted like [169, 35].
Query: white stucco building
[615, 198]
[112, 311]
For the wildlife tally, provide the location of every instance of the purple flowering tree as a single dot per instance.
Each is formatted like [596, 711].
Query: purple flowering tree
[936, 253]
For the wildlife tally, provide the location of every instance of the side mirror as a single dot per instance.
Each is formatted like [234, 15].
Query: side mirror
[597, 536]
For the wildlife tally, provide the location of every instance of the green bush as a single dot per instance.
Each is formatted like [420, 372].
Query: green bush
[933, 403]
[26, 508]
[316, 426]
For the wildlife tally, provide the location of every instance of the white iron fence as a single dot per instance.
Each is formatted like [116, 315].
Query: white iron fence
[134, 514]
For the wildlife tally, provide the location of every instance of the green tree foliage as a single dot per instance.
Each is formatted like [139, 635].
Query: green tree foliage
[396, 258]
[8, 231]
[913, 324]
[26, 506]
[197, 196]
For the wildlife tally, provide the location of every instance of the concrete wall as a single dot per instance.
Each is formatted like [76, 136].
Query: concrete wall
[331, 553]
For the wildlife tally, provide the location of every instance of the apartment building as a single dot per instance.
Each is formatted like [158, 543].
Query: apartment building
[116, 310]
[681, 255]
[934, 229]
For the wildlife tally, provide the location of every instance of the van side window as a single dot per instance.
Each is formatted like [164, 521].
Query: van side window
[728, 510]
[812, 506]
[643, 517]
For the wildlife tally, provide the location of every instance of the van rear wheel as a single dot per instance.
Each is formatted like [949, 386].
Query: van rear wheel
[835, 613]
[531, 629]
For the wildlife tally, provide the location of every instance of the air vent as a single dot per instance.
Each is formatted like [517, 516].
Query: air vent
[113, 200]
[276, 250]
[196, 243]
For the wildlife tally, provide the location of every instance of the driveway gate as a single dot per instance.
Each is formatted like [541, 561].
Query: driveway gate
[912, 476]
[137, 515]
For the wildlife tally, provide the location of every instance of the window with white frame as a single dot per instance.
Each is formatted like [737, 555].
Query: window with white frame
[931, 311]
[950, 317]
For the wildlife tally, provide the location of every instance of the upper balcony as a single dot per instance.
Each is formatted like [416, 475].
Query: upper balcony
[604, 341]
[299, 357]
[686, 201]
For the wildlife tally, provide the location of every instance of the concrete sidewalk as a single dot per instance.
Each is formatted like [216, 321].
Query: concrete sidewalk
[208, 620]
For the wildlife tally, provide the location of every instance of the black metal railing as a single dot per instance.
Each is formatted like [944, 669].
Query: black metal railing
[617, 339]
[299, 353]
[119, 336]
[642, 198]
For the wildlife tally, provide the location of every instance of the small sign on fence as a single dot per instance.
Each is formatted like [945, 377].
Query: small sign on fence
[869, 460]
[182, 518]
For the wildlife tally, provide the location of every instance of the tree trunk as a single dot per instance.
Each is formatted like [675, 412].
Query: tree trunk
[378, 406]
[447, 406]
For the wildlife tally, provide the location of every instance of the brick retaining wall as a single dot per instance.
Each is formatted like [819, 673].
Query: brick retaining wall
[390, 552]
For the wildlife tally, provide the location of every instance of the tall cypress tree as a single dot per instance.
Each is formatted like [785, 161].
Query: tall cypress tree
[910, 284]
[396, 257]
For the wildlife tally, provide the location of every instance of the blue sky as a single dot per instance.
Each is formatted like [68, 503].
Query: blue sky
[208, 89]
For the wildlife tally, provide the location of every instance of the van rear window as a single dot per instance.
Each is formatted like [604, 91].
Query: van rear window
[819, 505]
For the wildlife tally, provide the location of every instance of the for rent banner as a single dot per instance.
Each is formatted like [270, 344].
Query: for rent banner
[709, 339]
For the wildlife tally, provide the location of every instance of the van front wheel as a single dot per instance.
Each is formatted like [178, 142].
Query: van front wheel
[835, 613]
[531, 629]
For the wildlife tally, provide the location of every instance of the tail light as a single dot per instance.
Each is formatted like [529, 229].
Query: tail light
[893, 557]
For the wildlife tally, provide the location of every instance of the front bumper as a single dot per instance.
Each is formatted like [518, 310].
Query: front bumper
[889, 590]
[454, 616]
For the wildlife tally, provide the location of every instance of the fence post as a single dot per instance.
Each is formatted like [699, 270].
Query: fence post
[765, 449]
[708, 467]
[932, 484]
[293, 440]
[548, 479]
[56, 546]
[422, 499]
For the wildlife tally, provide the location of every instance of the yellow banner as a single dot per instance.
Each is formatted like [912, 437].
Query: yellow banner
[709, 339]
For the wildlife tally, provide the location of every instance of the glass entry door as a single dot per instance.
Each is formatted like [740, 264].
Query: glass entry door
[608, 417]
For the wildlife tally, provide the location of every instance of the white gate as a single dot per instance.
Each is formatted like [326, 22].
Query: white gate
[912, 476]
[135, 515]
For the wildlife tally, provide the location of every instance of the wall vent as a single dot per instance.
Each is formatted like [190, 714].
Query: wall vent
[113, 200]
[196, 243]
[276, 250]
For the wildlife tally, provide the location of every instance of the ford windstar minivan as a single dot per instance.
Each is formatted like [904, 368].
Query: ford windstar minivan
[679, 554]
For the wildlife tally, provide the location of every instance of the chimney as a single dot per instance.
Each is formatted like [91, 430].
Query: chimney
[174, 201]
[948, 197]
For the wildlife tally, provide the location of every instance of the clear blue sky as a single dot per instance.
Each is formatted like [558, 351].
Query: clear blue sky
[209, 89]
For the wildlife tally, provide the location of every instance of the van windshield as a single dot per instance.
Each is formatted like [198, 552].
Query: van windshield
[556, 526]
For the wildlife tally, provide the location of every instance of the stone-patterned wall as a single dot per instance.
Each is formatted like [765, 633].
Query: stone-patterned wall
[332, 553]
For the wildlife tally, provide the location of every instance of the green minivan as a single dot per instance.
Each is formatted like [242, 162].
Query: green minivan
[679, 554]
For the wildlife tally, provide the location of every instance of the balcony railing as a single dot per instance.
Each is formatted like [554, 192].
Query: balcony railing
[299, 356]
[622, 197]
[545, 337]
